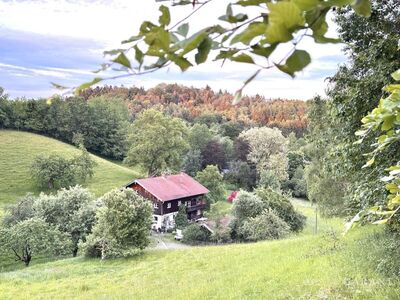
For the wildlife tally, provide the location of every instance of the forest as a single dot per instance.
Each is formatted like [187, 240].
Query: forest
[320, 176]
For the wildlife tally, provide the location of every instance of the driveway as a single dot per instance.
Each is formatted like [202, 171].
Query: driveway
[164, 242]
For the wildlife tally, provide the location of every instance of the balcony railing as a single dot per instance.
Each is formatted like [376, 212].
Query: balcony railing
[196, 207]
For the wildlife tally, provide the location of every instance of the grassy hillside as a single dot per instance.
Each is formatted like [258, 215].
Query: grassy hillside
[17, 151]
[324, 266]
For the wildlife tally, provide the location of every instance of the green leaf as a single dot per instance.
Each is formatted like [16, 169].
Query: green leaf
[284, 19]
[165, 17]
[362, 7]
[243, 58]
[158, 38]
[203, 50]
[223, 54]
[122, 60]
[247, 35]
[369, 163]
[252, 2]
[306, 4]
[138, 55]
[58, 86]
[193, 42]
[263, 51]
[180, 61]
[396, 75]
[87, 84]
[132, 39]
[296, 62]
[183, 29]
[238, 97]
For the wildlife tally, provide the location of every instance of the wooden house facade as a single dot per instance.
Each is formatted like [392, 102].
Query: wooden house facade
[167, 193]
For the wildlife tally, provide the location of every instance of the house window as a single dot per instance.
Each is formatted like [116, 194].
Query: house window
[188, 203]
[155, 218]
[155, 205]
[199, 212]
[179, 203]
[168, 205]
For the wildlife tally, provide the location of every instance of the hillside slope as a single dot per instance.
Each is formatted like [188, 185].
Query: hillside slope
[17, 151]
[307, 266]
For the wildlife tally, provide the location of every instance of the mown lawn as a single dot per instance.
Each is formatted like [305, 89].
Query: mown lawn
[17, 151]
[306, 266]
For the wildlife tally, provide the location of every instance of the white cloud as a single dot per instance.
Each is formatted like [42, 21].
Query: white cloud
[111, 21]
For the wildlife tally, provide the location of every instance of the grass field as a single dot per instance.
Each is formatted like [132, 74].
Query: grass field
[17, 151]
[307, 266]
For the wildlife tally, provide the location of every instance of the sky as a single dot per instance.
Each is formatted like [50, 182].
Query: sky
[62, 41]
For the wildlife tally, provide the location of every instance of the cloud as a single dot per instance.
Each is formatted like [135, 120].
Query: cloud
[62, 41]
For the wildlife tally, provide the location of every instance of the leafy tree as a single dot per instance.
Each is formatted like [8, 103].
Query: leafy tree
[268, 150]
[282, 207]
[269, 180]
[20, 211]
[212, 179]
[199, 136]
[53, 171]
[214, 154]
[33, 237]
[71, 210]
[241, 149]
[242, 175]
[266, 226]
[192, 162]
[157, 142]
[181, 220]
[109, 119]
[122, 227]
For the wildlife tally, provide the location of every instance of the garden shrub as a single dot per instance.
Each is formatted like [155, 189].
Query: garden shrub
[267, 226]
[194, 235]
[282, 207]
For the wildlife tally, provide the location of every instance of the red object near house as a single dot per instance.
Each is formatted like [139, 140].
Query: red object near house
[232, 196]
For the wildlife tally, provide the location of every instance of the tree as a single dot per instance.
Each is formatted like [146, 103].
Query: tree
[32, 237]
[214, 154]
[269, 180]
[247, 205]
[122, 227]
[199, 136]
[192, 162]
[212, 179]
[157, 142]
[181, 220]
[268, 150]
[55, 171]
[20, 211]
[71, 210]
[194, 235]
[241, 174]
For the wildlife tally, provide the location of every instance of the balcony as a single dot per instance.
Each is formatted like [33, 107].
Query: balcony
[191, 208]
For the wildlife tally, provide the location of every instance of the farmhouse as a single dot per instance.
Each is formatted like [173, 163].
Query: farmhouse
[167, 193]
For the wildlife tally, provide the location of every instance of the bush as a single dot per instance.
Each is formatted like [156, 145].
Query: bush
[221, 235]
[247, 205]
[212, 179]
[267, 226]
[20, 211]
[194, 235]
[269, 180]
[282, 207]
[122, 227]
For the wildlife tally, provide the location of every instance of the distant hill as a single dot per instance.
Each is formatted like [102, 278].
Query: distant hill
[189, 103]
[17, 151]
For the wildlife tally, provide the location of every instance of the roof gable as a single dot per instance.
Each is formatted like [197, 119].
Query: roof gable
[172, 187]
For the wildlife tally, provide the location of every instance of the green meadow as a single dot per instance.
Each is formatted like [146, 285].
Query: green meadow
[18, 150]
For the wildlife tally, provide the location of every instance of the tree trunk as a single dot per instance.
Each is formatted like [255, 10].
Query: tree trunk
[75, 252]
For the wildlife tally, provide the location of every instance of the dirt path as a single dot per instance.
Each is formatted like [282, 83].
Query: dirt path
[161, 242]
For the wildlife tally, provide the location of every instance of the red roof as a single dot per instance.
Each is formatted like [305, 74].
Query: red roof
[172, 187]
